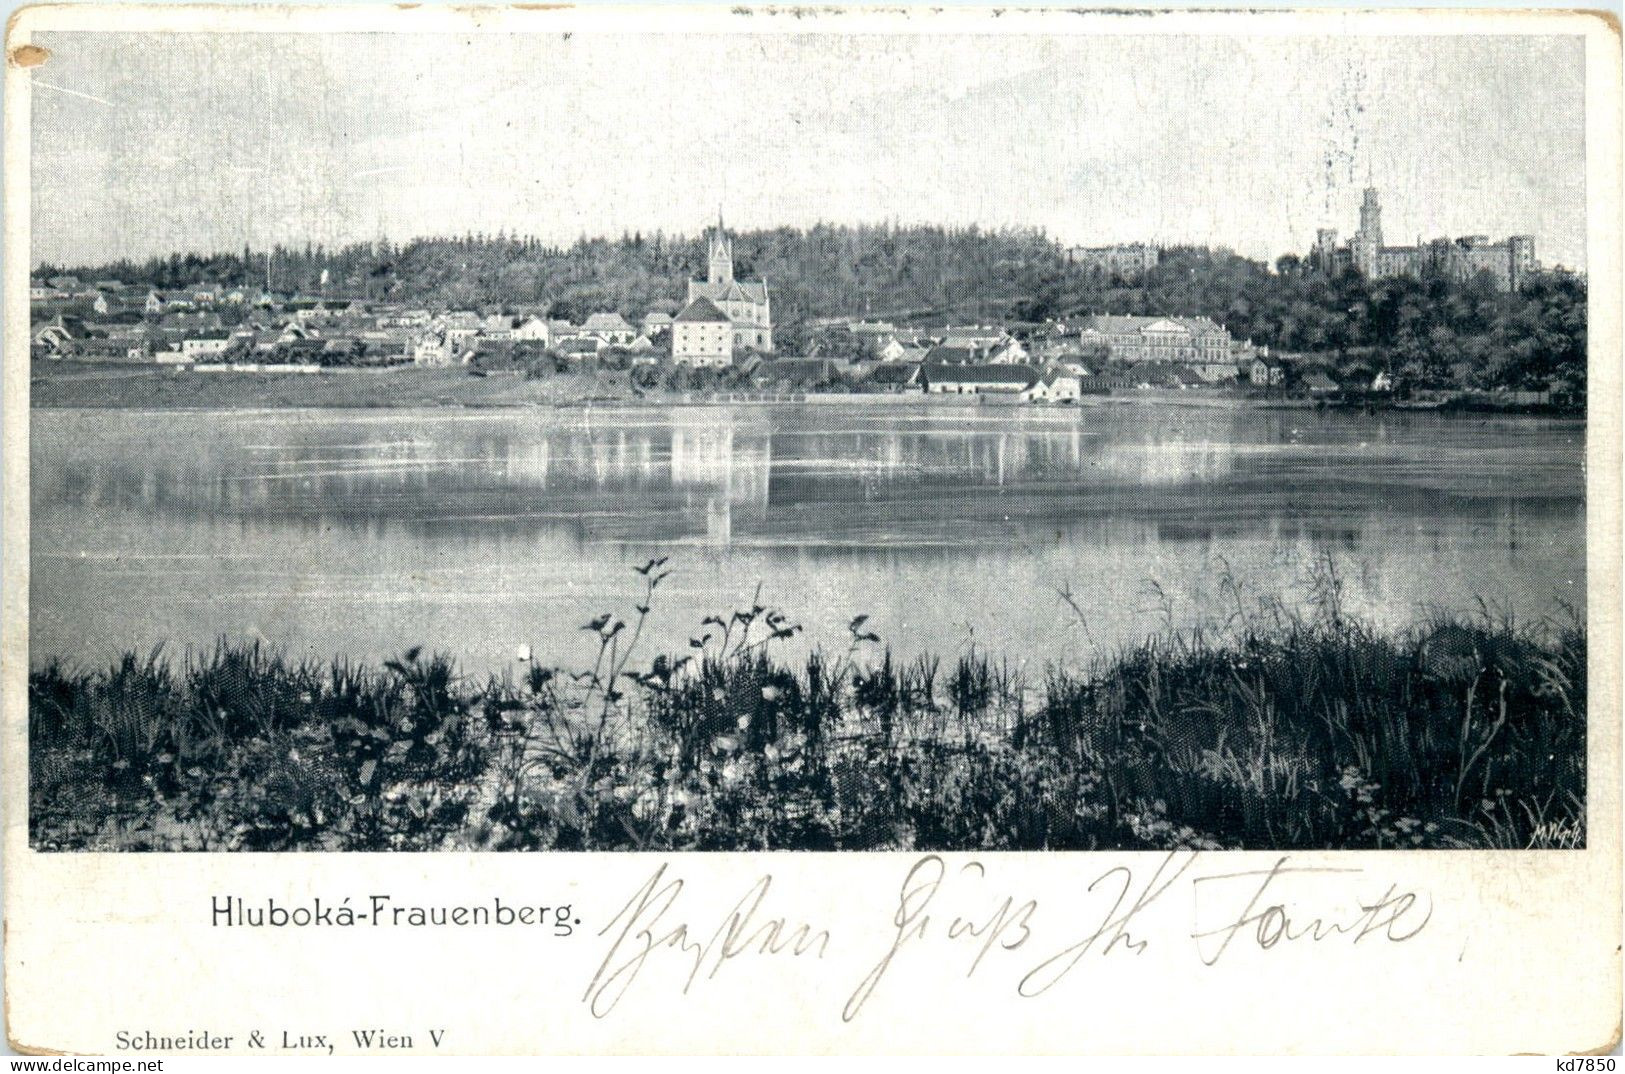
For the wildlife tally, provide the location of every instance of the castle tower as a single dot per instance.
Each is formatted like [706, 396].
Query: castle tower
[1325, 251]
[1371, 217]
[1368, 239]
[1521, 250]
[722, 256]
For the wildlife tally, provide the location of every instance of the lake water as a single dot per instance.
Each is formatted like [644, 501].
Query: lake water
[365, 533]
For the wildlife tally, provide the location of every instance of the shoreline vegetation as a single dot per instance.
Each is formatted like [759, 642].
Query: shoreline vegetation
[70, 385]
[1278, 728]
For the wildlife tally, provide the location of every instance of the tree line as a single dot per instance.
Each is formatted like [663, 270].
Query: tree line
[1432, 331]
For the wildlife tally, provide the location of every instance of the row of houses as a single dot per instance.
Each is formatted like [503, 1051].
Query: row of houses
[1015, 382]
[119, 323]
[1107, 338]
[723, 314]
[1051, 385]
[105, 296]
[1102, 353]
[1106, 351]
[205, 321]
[986, 378]
[296, 341]
[1056, 381]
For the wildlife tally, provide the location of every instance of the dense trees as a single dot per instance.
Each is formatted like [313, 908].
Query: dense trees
[1432, 332]
[824, 271]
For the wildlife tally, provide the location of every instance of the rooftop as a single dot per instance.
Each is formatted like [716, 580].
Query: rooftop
[703, 311]
[606, 322]
[980, 374]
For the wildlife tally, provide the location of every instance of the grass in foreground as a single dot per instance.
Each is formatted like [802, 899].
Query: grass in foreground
[1278, 732]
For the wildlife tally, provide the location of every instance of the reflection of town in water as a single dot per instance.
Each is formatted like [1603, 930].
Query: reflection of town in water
[197, 524]
[719, 473]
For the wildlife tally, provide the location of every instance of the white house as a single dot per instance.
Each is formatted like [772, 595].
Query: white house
[611, 328]
[535, 328]
[204, 343]
[1214, 372]
[1055, 386]
[430, 348]
[1007, 352]
[579, 348]
[702, 336]
[54, 336]
[1266, 373]
[978, 379]
[890, 350]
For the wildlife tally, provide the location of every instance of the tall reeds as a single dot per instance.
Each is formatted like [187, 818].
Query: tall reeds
[1274, 728]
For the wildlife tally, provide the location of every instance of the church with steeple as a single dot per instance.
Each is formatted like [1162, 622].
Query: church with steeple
[745, 302]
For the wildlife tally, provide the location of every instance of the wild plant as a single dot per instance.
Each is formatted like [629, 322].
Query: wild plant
[1277, 725]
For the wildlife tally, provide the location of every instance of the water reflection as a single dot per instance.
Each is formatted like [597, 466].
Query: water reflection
[349, 530]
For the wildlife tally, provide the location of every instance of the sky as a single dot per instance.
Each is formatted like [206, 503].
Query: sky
[147, 143]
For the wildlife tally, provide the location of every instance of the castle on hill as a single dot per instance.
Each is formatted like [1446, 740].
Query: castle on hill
[1509, 262]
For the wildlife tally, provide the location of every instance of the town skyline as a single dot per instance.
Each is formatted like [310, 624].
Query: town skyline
[1496, 147]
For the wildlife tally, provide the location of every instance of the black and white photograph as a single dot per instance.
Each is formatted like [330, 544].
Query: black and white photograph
[806, 442]
[694, 530]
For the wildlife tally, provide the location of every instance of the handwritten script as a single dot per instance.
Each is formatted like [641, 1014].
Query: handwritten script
[961, 913]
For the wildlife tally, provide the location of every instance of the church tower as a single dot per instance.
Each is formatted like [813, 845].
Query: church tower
[744, 303]
[722, 255]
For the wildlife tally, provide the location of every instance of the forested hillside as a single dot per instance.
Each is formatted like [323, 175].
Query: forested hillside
[1435, 332]
[824, 271]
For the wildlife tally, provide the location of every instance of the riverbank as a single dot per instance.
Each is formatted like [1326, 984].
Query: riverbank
[86, 386]
[1282, 733]
[125, 386]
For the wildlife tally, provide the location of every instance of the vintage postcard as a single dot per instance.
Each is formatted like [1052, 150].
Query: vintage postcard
[696, 529]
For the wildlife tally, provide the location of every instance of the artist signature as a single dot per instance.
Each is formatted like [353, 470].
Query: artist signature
[1117, 913]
